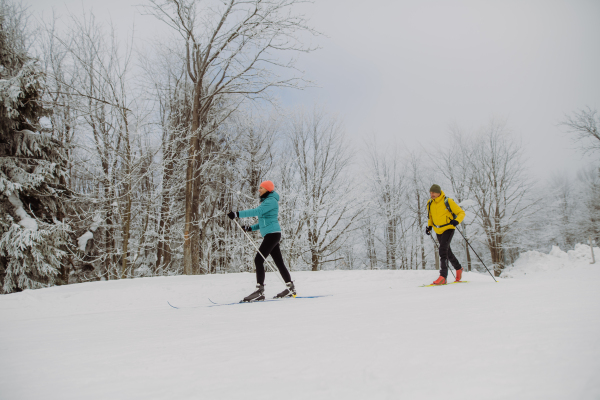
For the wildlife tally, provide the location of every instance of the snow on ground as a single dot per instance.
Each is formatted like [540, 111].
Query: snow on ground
[535, 261]
[378, 336]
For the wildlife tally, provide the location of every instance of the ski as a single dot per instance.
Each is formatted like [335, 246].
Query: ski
[444, 284]
[248, 302]
[263, 301]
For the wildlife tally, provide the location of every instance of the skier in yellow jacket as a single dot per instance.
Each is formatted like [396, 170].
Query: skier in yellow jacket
[444, 215]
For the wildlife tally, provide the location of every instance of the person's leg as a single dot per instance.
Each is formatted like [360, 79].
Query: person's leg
[269, 242]
[447, 238]
[278, 258]
[290, 289]
[453, 260]
[444, 240]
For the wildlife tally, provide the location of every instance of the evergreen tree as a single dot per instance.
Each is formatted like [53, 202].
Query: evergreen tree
[33, 240]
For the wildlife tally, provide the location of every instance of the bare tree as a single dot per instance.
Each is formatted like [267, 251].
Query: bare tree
[389, 191]
[255, 139]
[574, 208]
[175, 122]
[585, 124]
[319, 158]
[102, 80]
[173, 93]
[589, 181]
[456, 168]
[111, 168]
[368, 233]
[501, 188]
[562, 205]
[231, 52]
[417, 200]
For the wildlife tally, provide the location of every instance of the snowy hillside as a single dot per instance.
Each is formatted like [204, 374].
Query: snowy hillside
[377, 336]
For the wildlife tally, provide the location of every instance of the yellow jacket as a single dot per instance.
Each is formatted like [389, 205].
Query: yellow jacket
[439, 215]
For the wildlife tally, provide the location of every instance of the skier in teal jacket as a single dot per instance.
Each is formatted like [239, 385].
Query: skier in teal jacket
[268, 226]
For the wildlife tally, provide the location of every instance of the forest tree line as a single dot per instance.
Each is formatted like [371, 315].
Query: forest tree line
[119, 161]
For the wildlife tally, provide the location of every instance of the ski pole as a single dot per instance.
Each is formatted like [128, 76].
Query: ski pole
[254, 244]
[438, 249]
[476, 254]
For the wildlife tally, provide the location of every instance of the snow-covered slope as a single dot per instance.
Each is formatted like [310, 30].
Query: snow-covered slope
[536, 262]
[379, 336]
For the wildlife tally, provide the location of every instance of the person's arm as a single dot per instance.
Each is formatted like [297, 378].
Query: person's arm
[460, 214]
[429, 222]
[259, 211]
[254, 227]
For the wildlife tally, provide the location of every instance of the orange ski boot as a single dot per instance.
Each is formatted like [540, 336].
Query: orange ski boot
[440, 281]
[458, 275]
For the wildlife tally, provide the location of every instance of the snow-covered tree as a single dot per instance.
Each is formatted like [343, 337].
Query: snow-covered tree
[589, 193]
[500, 186]
[417, 197]
[388, 189]
[585, 127]
[233, 52]
[34, 240]
[318, 186]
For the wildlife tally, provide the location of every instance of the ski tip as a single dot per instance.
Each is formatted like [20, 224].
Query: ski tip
[172, 305]
[211, 300]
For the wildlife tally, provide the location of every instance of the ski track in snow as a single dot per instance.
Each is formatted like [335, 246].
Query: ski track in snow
[379, 336]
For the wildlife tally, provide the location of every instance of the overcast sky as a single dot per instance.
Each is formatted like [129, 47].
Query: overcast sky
[406, 70]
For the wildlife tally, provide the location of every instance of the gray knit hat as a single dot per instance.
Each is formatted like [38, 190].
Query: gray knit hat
[435, 189]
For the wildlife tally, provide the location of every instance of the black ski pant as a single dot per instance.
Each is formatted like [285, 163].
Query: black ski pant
[270, 245]
[446, 253]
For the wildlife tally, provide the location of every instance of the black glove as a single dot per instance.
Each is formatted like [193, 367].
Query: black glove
[428, 230]
[454, 222]
[247, 228]
[232, 214]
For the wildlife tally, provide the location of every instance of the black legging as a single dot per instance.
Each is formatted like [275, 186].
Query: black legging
[270, 245]
[446, 253]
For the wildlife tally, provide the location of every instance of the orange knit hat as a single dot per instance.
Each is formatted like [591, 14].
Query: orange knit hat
[270, 186]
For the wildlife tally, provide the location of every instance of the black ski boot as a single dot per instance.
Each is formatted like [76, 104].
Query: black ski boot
[258, 295]
[290, 291]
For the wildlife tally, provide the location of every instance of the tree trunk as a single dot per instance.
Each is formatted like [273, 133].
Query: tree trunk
[128, 187]
[391, 244]
[496, 252]
[467, 249]
[126, 225]
[126, 228]
[163, 224]
[189, 189]
[420, 225]
[315, 260]
[312, 240]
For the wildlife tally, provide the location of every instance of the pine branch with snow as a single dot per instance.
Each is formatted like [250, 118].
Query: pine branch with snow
[33, 238]
[33, 257]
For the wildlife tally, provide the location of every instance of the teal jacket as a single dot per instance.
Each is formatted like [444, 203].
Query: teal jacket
[267, 213]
